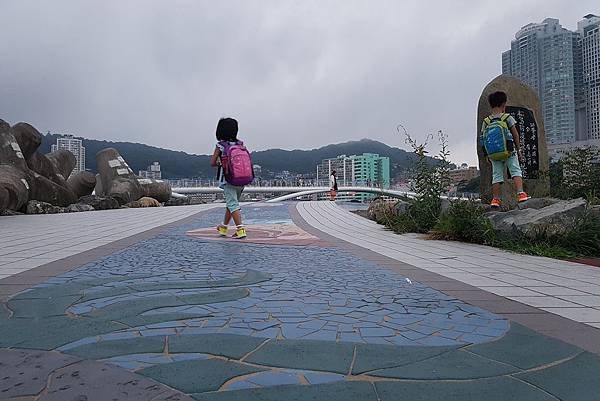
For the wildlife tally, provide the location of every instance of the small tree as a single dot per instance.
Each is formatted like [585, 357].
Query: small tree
[577, 174]
[430, 180]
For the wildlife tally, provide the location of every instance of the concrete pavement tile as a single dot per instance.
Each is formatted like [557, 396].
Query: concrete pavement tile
[344, 391]
[229, 345]
[512, 291]
[496, 389]
[450, 365]
[108, 349]
[544, 302]
[94, 381]
[573, 380]
[577, 314]
[525, 348]
[197, 376]
[372, 357]
[25, 372]
[305, 354]
[585, 300]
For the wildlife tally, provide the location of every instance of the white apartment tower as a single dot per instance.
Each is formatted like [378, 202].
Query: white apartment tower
[75, 146]
[543, 55]
[589, 31]
[153, 171]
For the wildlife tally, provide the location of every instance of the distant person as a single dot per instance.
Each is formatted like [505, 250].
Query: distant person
[333, 186]
[500, 143]
[234, 172]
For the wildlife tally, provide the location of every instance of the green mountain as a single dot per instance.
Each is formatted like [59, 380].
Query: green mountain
[176, 164]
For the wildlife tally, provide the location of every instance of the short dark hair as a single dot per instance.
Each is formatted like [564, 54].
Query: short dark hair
[227, 129]
[497, 99]
[333, 172]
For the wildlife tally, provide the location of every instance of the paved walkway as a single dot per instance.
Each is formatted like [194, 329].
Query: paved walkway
[288, 314]
[30, 241]
[571, 290]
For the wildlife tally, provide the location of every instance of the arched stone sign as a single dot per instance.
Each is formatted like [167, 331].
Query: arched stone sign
[524, 105]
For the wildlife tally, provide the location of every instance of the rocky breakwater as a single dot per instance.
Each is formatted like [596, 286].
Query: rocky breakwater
[27, 175]
[36, 183]
[117, 180]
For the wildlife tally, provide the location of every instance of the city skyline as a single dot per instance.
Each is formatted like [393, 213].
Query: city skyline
[562, 66]
[296, 75]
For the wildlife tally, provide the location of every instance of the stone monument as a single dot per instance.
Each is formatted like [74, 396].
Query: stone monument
[524, 105]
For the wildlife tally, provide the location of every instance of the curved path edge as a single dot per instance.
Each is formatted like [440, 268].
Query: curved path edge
[541, 321]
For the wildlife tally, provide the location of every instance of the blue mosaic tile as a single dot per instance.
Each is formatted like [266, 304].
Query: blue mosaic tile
[320, 378]
[376, 332]
[274, 378]
[318, 300]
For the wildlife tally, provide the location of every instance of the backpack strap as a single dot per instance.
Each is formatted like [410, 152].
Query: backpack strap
[504, 117]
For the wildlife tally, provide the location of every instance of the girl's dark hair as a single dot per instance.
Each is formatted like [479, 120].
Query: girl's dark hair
[497, 99]
[227, 129]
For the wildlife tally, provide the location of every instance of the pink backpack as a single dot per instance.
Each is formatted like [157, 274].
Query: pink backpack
[237, 164]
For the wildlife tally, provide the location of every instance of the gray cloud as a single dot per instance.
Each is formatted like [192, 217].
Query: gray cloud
[295, 74]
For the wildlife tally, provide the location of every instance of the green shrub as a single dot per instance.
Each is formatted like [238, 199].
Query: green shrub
[429, 180]
[576, 174]
[579, 239]
[464, 221]
[421, 217]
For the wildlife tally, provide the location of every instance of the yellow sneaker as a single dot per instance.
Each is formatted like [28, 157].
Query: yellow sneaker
[222, 230]
[239, 233]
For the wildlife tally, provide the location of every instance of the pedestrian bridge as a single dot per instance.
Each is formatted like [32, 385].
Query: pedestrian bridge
[295, 192]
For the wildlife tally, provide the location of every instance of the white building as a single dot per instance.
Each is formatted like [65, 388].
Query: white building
[75, 146]
[153, 171]
[589, 31]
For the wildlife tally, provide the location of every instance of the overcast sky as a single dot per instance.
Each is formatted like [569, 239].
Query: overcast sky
[296, 74]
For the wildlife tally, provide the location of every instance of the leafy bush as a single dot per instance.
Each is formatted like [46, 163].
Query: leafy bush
[576, 174]
[430, 179]
[464, 221]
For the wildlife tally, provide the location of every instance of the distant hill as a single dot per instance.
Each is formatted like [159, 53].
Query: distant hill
[176, 164]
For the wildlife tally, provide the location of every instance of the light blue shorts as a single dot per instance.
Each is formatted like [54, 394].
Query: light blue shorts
[232, 196]
[498, 167]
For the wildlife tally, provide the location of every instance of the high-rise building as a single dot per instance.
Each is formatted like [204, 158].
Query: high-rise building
[371, 170]
[368, 169]
[589, 31]
[342, 165]
[153, 171]
[75, 146]
[545, 56]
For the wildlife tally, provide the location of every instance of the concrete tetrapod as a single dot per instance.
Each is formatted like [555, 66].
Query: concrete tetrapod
[118, 179]
[25, 174]
[82, 183]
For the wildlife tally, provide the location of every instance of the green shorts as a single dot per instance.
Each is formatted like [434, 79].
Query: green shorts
[232, 196]
[498, 167]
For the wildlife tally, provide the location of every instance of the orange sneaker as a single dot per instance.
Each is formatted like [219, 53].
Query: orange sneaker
[522, 197]
[495, 202]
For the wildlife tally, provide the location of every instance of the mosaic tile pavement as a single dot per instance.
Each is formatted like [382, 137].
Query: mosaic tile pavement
[279, 320]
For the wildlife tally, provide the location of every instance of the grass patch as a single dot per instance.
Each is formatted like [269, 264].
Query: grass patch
[466, 221]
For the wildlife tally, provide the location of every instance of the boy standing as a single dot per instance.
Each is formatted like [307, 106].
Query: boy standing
[499, 118]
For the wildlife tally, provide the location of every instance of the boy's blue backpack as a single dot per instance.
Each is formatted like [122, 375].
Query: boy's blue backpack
[495, 138]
